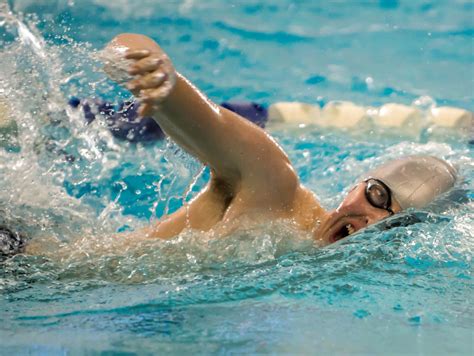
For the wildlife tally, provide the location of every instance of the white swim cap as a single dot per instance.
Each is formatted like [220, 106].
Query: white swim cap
[416, 181]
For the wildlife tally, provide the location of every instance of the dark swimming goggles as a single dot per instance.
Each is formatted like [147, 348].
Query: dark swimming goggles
[378, 194]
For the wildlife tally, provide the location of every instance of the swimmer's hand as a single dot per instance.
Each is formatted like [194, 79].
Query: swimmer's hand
[154, 78]
[152, 72]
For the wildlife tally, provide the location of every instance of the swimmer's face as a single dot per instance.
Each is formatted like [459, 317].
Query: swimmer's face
[367, 203]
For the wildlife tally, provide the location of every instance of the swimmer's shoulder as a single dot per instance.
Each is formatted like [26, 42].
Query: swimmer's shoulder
[306, 209]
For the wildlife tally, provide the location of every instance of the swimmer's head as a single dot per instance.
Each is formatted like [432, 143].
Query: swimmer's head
[409, 182]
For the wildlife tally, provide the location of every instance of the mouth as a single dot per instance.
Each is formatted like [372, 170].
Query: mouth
[342, 228]
[342, 232]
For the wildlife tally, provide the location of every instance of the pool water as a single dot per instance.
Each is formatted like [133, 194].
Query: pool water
[265, 289]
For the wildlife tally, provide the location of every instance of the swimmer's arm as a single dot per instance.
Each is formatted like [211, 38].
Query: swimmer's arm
[238, 151]
[245, 161]
[228, 143]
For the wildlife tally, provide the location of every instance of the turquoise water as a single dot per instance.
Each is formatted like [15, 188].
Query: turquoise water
[263, 290]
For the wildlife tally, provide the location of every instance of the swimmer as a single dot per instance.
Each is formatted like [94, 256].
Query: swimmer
[251, 176]
[252, 179]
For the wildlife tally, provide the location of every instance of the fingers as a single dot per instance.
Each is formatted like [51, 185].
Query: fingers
[154, 79]
[153, 96]
[145, 65]
[148, 81]
[137, 54]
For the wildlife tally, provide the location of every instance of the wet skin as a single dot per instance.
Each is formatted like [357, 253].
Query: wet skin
[251, 176]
